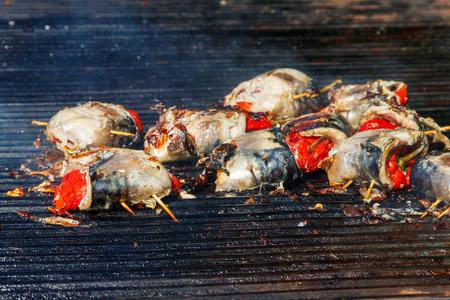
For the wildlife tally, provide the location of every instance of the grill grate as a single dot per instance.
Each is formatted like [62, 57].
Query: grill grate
[139, 53]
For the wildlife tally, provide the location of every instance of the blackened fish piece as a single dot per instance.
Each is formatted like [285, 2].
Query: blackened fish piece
[332, 124]
[431, 175]
[102, 178]
[258, 158]
[364, 156]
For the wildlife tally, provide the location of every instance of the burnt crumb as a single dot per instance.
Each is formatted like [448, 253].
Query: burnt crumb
[442, 226]
[17, 192]
[354, 210]
[318, 206]
[38, 141]
[278, 191]
[264, 201]
[293, 197]
[425, 203]
[25, 214]
[327, 190]
[303, 223]
[369, 221]
[250, 200]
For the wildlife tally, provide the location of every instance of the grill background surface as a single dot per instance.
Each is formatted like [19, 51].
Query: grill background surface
[191, 53]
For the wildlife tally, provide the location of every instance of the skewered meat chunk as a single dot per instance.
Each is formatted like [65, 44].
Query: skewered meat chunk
[431, 175]
[89, 125]
[254, 159]
[383, 156]
[106, 177]
[183, 134]
[274, 93]
[391, 92]
[374, 113]
[373, 107]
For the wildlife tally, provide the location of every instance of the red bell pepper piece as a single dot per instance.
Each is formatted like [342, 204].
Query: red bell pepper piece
[401, 93]
[308, 160]
[136, 119]
[257, 121]
[245, 105]
[176, 184]
[399, 178]
[377, 124]
[70, 192]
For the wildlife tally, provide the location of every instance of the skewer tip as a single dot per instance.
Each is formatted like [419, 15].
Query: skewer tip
[122, 133]
[165, 207]
[333, 84]
[445, 128]
[424, 214]
[127, 208]
[372, 183]
[444, 212]
[39, 123]
[345, 186]
[303, 95]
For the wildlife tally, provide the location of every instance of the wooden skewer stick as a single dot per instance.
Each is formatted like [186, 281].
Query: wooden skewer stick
[314, 95]
[434, 131]
[164, 207]
[39, 123]
[432, 205]
[127, 208]
[372, 183]
[69, 151]
[303, 95]
[424, 214]
[345, 186]
[122, 133]
[444, 212]
[333, 84]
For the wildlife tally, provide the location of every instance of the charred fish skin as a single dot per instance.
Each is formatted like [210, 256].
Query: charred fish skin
[274, 93]
[326, 122]
[431, 175]
[364, 156]
[89, 125]
[182, 135]
[130, 176]
[370, 162]
[259, 158]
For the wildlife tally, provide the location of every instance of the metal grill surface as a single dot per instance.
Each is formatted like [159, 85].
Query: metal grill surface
[188, 53]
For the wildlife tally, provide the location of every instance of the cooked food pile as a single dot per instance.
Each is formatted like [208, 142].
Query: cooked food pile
[273, 129]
